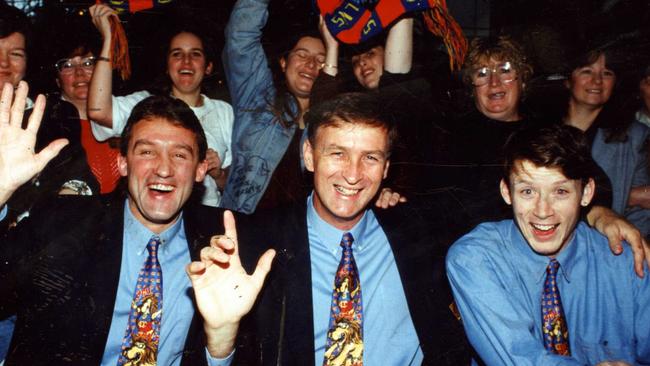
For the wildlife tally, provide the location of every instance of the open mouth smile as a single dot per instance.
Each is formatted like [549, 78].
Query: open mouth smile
[346, 191]
[161, 187]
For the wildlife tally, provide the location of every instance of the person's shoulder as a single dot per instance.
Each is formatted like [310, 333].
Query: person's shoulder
[486, 239]
[597, 245]
[216, 104]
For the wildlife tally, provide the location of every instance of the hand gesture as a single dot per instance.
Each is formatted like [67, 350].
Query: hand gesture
[100, 15]
[224, 291]
[18, 161]
[328, 38]
[387, 198]
[214, 163]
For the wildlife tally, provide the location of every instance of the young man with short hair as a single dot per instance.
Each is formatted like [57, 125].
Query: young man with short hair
[544, 289]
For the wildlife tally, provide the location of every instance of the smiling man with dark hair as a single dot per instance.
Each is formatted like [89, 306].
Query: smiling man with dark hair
[544, 289]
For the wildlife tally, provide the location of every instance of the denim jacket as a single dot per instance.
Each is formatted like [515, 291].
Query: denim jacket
[259, 140]
[625, 165]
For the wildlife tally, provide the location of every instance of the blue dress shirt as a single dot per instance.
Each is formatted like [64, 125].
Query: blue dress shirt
[178, 308]
[388, 331]
[497, 280]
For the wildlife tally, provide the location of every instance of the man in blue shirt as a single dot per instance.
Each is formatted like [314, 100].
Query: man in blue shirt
[69, 271]
[404, 294]
[506, 275]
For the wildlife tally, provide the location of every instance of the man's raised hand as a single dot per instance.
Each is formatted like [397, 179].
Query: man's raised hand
[18, 161]
[224, 291]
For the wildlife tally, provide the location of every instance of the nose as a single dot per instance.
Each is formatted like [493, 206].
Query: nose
[79, 70]
[164, 167]
[312, 62]
[598, 78]
[353, 171]
[543, 207]
[494, 79]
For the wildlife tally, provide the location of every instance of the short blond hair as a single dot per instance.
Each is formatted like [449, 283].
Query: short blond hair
[501, 48]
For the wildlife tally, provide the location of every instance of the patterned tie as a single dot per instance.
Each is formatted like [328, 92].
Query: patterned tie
[345, 333]
[556, 333]
[140, 344]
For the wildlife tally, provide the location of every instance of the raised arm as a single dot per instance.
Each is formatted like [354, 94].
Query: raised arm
[331, 66]
[245, 64]
[100, 105]
[224, 291]
[18, 161]
[398, 52]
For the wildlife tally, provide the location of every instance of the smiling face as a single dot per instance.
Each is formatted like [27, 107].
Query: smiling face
[349, 162]
[161, 167]
[187, 64]
[302, 64]
[74, 81]
[498, 99]
[546, 205]
[592, 85]
[13, 59]
[368, 67]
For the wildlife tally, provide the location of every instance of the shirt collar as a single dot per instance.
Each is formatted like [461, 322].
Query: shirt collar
[331, 236]
[139, 235]
[537, 263]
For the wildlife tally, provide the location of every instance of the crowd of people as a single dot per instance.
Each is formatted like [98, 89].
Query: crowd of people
[380, 227]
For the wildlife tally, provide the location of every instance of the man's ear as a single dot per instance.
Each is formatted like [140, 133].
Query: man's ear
[505, 191]
[208, 68]
[308, 155]
[588, 192]
[283, 64]
[201, 169]
[386, 169]
[122, 165]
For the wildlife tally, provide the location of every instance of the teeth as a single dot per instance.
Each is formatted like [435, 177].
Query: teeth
[367, 72]
[498, 95]
[306, 75]
[595, 91]
[190, 72]
[346, 191]
[161, 187]
[543, 227]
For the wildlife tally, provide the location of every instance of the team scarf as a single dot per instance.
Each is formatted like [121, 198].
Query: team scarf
[356, 21]
[119, 44]
[133, 6]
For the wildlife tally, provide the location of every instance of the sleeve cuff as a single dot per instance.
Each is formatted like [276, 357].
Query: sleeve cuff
[213, 361]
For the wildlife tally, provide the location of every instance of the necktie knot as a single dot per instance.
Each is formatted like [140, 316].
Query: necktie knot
[153, 244]
[552, 268]
[346, 241]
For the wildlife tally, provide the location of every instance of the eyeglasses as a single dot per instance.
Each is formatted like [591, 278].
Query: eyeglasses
[67, 66]
[306, 56]
[504, 71]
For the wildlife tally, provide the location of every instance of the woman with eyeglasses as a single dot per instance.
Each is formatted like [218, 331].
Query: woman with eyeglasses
[188, 64]
[74, 72]
[496, 72]
[618, 140]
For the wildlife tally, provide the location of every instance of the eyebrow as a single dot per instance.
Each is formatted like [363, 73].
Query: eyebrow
[144, 142]
[191, 49]
[308, 51]
[519, 181]
[339, 147]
